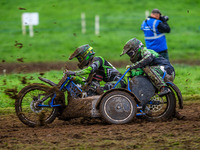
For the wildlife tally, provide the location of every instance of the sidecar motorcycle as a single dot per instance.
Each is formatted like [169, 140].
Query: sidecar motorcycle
[39, 104]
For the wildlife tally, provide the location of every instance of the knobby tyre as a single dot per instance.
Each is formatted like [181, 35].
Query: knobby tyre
[161, 108]
[27, 110]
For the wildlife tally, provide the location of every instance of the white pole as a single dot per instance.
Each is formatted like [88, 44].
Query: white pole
[23, 27]
[31, 30]
[97, 26]
[4, 72]
[83, 23]
[146, 13]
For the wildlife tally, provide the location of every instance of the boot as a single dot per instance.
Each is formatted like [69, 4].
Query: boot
[147, 111]
[164, 91]
[179, 116]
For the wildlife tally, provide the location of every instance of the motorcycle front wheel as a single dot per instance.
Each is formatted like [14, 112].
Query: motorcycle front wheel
[27, 109]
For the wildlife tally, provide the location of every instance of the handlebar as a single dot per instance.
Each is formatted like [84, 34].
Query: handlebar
[122, 77]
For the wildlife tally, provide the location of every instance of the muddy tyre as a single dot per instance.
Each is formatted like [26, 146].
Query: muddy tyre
[27, 110]
[161, 108]
[118, 107]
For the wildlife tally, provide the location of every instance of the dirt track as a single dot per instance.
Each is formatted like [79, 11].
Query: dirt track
[94, 134]
[21, 67]
[42, 67]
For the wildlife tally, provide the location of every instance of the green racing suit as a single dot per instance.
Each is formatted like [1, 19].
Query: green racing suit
[102, 70]
[154, 66]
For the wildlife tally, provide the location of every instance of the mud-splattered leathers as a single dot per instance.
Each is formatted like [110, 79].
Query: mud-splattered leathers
[154, 66]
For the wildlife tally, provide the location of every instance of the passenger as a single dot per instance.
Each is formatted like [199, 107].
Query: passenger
[149, 62]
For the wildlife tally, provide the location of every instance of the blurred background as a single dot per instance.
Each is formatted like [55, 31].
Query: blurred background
[59, 31]
[23, 57]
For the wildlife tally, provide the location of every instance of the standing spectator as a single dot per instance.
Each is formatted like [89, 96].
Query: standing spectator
[154, 28]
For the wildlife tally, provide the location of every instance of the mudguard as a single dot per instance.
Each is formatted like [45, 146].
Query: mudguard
[142, 88]
[121, 89]
[47, 81]
[178, 93]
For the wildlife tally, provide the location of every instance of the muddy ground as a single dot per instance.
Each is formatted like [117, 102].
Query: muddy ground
[95, 134]
[22, 67]
[42, 67]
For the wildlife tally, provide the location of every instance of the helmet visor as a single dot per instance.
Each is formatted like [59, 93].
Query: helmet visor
[80, 58]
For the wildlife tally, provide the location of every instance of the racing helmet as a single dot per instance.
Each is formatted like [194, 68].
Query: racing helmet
[132, 48]
[84, 54]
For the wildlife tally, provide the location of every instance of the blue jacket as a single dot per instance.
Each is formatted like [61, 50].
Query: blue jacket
[154, 39]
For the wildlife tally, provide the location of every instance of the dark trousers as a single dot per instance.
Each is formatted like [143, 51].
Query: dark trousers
[164, 54]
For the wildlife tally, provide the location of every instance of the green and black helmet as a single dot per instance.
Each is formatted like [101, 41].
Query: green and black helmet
[84, 54]
[132, 48]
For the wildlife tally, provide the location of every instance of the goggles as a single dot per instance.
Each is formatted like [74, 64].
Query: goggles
[131, 53]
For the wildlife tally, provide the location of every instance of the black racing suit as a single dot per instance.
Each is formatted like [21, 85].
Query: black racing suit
[102, 70]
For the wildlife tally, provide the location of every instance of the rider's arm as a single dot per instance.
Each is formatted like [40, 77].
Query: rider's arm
[85, 71]
[147, 58]
[90, 69]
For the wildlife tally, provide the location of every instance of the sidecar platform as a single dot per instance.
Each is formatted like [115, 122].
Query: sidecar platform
[81, 107]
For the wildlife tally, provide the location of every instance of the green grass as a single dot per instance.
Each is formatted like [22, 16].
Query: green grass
[15, 82]
[59, 30]
[59, 33]
[187, 80]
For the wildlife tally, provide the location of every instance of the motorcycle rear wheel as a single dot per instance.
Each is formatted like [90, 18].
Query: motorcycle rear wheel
[161, 108]
[26, 106]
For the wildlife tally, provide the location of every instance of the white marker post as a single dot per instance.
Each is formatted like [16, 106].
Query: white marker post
[97, 26]
[29, 19]
[83, 23]
[146, 13]
[4, 72]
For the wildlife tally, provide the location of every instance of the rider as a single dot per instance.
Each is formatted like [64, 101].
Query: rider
[98, 67]
[149, 62]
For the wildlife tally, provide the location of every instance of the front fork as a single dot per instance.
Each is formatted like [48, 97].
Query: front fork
[51, 104]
